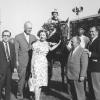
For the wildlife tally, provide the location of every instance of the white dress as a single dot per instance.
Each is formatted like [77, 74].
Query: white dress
[39, 63]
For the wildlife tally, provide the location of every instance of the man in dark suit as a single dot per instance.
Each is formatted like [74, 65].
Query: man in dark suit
[7, 63]
[23, 47]
[94, 62]
[76, 69]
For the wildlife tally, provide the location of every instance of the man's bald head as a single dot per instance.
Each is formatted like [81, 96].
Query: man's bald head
[75, 41]
[28, 27]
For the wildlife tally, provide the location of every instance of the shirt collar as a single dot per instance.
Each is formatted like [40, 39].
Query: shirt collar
[26, 35]
[82, 35]
[94, 38]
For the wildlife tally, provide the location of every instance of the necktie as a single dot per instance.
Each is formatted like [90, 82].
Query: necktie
[7, 52]
[71, 52]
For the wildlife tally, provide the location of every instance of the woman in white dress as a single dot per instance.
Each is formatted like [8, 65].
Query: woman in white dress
[39, 63]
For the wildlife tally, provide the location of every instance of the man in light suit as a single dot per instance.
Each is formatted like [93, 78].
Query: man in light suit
[23, 43]
[7, 63]
[76, 69]
[94, 63]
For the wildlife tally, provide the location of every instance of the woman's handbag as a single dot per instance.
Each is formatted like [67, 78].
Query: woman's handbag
[32, 83]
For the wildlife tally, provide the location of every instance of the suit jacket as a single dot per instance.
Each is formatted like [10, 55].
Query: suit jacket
[22, 48]
[94, 61]
[3, 60]
[77, 64]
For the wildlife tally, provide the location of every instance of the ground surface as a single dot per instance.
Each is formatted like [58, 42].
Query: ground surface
[57, 91]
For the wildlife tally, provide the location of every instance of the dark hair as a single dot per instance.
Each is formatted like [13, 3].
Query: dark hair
[97, 28]
[6, 31]
[81, 28]
[40, 31]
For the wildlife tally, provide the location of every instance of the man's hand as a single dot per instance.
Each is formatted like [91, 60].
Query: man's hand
[81, 78]
[15, 70]
[69, 45]
[89, 53]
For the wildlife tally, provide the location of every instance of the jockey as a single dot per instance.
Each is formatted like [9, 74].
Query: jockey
[54, 18]
[52, 27]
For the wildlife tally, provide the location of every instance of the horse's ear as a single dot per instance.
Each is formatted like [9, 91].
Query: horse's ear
[67, 20]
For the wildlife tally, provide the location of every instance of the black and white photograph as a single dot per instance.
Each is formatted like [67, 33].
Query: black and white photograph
[49, 50]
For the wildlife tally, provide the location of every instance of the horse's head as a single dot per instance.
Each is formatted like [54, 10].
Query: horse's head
[49, 27]
[63, 25]
[58, 31]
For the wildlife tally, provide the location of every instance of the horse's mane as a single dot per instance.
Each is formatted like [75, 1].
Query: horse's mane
[61, 30]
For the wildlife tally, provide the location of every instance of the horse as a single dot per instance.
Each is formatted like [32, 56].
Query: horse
[61, 52]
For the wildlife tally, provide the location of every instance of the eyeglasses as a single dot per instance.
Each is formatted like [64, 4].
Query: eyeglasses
[6, 35]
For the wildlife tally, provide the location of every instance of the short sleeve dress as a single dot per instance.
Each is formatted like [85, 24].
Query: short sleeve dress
[39, 62]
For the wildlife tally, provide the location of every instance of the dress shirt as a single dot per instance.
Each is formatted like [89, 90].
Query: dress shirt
[82, 41]
[27, 37]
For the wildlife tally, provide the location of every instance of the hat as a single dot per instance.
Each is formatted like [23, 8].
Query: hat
[55, 11]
